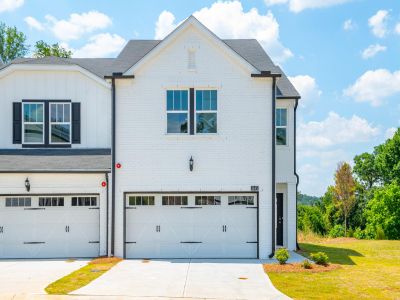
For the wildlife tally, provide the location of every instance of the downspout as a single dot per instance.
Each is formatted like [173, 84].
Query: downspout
[113, 165]
[295, 163]
[273, 166]
[107, 211]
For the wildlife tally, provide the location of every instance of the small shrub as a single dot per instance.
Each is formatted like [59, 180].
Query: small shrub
[336, 231]
[359, 234]
[306, 264]
[282, 255]
[320, 258]
[380, 233]
[350, 233]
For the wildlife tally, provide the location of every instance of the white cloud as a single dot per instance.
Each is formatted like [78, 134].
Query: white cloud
[378, 23]
[335, 130]
[229, 20]
[10, 5]
[101, 45]
[397, 28]
[374, 86]
[34, 24]
[300, 5]
[390, 132]
[372, 50]
[77, 24]
[348, 25]
[307, 87]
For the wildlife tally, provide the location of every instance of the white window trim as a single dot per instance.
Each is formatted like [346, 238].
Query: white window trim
[60, 123]
[286, 127]
[177, 112]
[32, 123]
[204, 111]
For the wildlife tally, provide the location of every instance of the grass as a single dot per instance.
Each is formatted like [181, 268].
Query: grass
[82, 277]
[369, 270]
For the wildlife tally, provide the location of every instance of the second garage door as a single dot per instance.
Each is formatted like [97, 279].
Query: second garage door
[191, 226]
[49, 226]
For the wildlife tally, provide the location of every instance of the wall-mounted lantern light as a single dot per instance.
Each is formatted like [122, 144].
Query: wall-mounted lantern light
[191, 163]
[27, 185]
[118, 165]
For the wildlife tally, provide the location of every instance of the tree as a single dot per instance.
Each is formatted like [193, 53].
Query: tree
[366, 170]
[42, 49]
[12, 43]
[388, 159]
[344, 191]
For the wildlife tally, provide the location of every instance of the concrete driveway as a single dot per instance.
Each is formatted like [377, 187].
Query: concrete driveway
[27, 277]
[196, 278]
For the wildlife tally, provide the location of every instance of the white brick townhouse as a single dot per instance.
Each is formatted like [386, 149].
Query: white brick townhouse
[181, 147]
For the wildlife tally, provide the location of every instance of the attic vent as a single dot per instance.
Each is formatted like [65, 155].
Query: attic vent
[191, 59]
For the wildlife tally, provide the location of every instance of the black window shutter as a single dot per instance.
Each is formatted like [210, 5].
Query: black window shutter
[17, 123]
[76, 123]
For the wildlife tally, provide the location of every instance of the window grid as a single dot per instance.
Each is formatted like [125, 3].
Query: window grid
[208, 200]
[177, 106]
[51, 201]
[141, 200]
[29, 121]
[206, 111]
[18, 202]
[281, 126]
[84, 201]
[240, 200]
[174, 200]
[60, 117]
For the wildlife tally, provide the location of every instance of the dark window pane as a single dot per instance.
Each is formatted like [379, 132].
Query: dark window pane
[184, 100]
[206, 123]
[138, 200]
[164, 200]
[199, 100]
[151, 200]
[26, 112]
[177, 100]
[21, 202]
[217, 200]
[8, 202]
[131, 200]
[33, 133]
[281, 136]
[54, 202]
[67, 108]
[214, 95]
[60, 112]
[39, 112]
[171, 200]
[41, 202]
[184, 200]
[177, 123]
[250, 200]
[206, 100]
[198, 200]
[178, 200]
[93, 201]
[231, 200]
[213, 104]
[170, 100]
[60, 201]
[60, 133]
[14, 202]
[53, 112]
[27, 201]
[73, 201]
[145, 200]
[87, 201]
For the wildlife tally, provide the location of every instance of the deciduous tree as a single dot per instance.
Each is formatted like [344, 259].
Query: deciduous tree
[12, 43]
[43, 49]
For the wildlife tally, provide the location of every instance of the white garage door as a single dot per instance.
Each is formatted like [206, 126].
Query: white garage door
[49, 226]
[191, 226]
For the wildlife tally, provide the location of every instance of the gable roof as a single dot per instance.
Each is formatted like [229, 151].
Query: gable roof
[134, 51]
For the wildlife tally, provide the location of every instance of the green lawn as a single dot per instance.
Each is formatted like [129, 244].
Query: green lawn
[82, 276]
[369, 270]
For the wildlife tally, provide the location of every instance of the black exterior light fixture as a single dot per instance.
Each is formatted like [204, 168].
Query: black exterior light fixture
[27, 185]
[191, 164]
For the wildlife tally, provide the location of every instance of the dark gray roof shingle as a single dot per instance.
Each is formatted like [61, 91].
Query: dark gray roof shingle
[55, 160]
[135, 50]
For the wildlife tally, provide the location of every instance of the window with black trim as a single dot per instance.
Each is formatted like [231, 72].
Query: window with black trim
[141, 200]
[51, 201]
[84, 201]
[208, 200]
[240, 200]
[177, 111]
[18, 202]
[206, 111]
[33, 123]
[60, 123]
[281, 126]
[174, 200]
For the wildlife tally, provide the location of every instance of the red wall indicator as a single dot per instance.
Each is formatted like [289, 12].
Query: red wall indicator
[103, 184]
[118, 165]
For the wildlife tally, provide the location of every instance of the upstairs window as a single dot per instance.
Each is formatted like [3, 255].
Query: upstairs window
[33, 123]
[281, 126]
[177, 111]
[206, 111]
[60, 123]
[191, 60]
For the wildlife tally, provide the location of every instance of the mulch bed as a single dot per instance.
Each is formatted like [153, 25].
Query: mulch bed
[298, 268]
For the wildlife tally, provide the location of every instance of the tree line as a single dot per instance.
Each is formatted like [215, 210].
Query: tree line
[364, 201]
[13, 44]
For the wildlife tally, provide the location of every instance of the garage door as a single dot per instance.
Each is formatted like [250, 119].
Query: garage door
[49, 226]
[191, 226]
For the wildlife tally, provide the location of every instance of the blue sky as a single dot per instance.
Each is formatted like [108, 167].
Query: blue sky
[344, 57]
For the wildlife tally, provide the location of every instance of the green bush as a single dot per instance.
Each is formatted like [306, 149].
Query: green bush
[380, 233]
[306, 264]
[359, 234]
[282, 255]
[350, 233]
[336, 231]
[320, 258]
